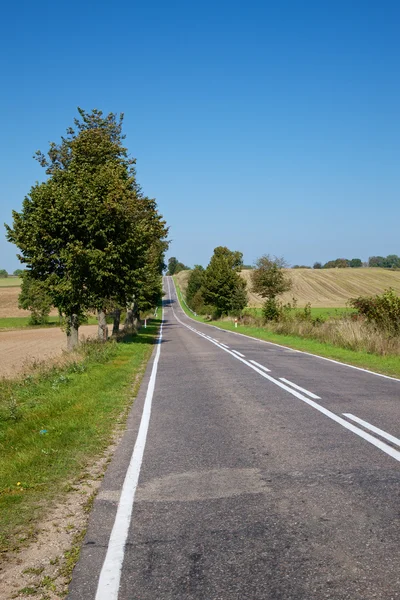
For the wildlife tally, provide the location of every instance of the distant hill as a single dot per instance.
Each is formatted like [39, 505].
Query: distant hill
[326, 287]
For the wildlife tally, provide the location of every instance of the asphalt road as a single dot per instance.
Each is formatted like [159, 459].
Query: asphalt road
[249, 487]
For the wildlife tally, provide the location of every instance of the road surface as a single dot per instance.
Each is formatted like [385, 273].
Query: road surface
[266, 474]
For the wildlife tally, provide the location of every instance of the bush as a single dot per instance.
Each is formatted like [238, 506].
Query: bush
[382, 311]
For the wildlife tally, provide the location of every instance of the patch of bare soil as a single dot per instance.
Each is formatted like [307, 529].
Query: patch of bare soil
[43, 569]
[21, 349]
[9, 303]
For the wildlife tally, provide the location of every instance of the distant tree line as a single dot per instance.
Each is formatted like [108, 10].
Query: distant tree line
[392, 261]
[90, 240]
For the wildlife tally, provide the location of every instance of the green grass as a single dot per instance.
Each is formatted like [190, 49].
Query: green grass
[7, 323]
[52, 425]
[388, 365]
[10, 281]
[326, 313]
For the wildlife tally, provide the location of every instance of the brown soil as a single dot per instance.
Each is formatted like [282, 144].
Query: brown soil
[9, 303]
[21, 349]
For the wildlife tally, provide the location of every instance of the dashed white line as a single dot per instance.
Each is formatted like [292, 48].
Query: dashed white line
[260, 366]
[376, 430]
[238, 353]
[224, 345]
[108, 585]
[300, 388]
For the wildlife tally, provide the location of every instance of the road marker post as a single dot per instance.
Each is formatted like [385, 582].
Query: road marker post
[236, 321]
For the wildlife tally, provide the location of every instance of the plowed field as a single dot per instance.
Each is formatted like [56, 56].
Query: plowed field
[19, 349]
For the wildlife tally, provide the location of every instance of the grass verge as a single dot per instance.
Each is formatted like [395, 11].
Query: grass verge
[387, 365]
[53, 424]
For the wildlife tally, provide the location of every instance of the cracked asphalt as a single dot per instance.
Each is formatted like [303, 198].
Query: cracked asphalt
[247, 490]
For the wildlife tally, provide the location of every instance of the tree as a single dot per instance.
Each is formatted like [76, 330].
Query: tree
[82, 232]
[3, 273]
[317, 265]
[268, 278]
[18, 272]
[34, 297]
[355, 263]
[223, 288]
[174, 266]
[172, 263]
[195, 283]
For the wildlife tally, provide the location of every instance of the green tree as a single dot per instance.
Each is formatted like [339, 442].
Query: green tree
[223, 288]
[82, 231]
[355, 263]
[3, 273]
[34, 297]
[269, 280]
[175, 266]
[18, 272]
[194, 284]
[317, 265]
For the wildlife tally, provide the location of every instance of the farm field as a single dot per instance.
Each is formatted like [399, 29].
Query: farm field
[10, 282]
[19, 349]
[325, 288]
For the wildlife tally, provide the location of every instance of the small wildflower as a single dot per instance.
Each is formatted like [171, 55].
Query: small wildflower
[19, 483]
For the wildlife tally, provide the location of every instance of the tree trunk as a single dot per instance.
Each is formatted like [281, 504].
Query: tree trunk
[117, 318]
[72, 332]
[102, 331]
[128, 324]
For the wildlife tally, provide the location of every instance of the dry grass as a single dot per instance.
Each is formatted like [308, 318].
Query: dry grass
[344, 333]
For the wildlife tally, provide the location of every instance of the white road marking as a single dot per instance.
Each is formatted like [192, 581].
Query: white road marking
[260, 366]
[361, 433]
[110, 574]
[337, 362]
[380, 432]
[238, 353]
[300, 388]
[224, 345]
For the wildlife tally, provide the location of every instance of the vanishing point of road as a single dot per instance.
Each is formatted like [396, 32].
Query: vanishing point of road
[248, 471]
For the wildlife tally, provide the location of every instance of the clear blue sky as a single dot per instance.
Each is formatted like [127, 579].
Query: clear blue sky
[264, 126]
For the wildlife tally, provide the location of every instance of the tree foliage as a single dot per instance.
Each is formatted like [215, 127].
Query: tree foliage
[87, 231]
[3, 273]
[392, 261]
[34, 297]
[223, 288]
[269, 279]
[175, 266]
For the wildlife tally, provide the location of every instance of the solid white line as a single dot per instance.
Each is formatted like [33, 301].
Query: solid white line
[261, 366]
[300, 388]
[337, 362]
[380, 432]
[239, 353]
[362, 434]
[110, 574]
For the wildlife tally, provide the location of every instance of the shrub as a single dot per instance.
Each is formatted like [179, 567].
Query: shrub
[382, 310]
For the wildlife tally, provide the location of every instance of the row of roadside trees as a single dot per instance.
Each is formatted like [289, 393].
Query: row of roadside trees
[90, 240]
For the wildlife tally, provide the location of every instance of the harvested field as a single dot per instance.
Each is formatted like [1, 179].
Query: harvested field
[20, 349]
[328, 288]
[9, 303]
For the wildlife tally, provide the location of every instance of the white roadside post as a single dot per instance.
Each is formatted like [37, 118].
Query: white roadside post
[145, 323]
[236, 321]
